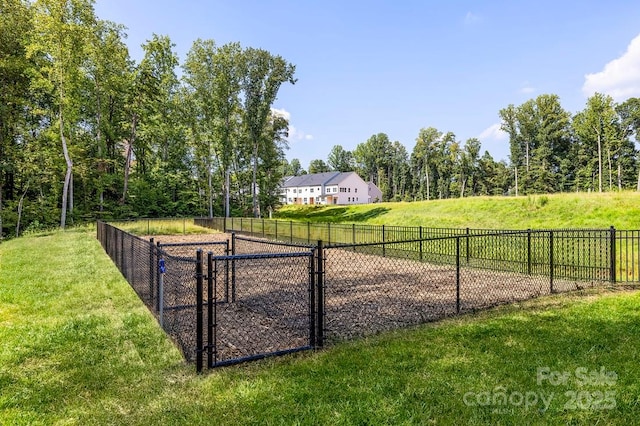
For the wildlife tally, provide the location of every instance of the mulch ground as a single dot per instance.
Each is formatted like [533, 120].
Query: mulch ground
[364, 294]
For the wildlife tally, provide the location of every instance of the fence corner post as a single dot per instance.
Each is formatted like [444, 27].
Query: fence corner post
[612, 253]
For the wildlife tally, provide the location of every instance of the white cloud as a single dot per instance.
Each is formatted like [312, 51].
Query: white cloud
[494, 133]
[282, 113]
[298, 135]
[471, 18]
[294, 133]
[620, 78]
[527, 90]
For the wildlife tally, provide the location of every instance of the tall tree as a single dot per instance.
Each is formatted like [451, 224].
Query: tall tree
[318, 166]
[423, 157]
[598, 130]
[340, 160]
[63, 26]
[15, 69]
[263, 75]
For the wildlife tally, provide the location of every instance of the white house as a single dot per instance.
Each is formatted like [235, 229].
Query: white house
[329, 188]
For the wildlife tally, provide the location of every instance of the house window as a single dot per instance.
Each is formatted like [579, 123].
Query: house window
[355, 190]
[349, 189]
[349, 199]
[305, 201]
[294, 190]
[311, 190]
[290, 200]
[343, 189]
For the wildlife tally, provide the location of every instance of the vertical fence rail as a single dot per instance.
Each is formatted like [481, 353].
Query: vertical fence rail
[199, 312]
[320, 259]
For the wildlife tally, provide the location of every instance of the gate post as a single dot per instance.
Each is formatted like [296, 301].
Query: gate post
[212, 279]
[313, 306]
[199, 331]
[320, 292]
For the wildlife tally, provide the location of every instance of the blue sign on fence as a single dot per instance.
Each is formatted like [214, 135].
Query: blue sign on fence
[161, 266]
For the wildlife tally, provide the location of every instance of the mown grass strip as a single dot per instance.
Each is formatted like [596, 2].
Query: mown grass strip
[79, 348]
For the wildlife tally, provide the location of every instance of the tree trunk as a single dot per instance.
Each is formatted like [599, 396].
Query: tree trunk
[254, 189]
[67, 177]
[462, 187]
[226, 192]
[610, 171]
[516, 171]
[599, 163]
[428, 183]
[619, 177]
[210, 190]
[129, 155]
[20, 204]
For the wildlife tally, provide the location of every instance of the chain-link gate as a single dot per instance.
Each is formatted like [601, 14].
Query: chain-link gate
[252, 306]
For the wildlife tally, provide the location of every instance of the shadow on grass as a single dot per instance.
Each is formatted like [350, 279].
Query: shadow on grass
[330, 214]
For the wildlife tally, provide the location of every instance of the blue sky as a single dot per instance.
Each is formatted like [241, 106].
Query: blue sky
[365, 67]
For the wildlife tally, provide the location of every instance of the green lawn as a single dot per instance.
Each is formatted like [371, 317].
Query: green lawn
[620, 209]
[78, 347]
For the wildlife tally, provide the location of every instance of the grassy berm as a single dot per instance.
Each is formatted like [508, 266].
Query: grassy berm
[574, 210]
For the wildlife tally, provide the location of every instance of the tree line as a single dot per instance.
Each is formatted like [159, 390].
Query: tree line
[551, 151]
[87, 132]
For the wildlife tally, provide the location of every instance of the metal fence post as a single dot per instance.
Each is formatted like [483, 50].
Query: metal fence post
[263, 230]
[276, 224]
[233, 268]
[212, 274]
[151, 269]
[612, 253]
[467, 252]
[313, 307]
[251, 228]
[550, 261]
[458, 275]
[308, 232]
[320, 293]
[329, 232]
[199, 327]
[161, 272]
[227, 252]
[291, 230]
[384, 247]
[528, 251]
[157, 273]
[420, 243]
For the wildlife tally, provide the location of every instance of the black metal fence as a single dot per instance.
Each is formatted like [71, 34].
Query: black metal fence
[232, 298]
[577, 253]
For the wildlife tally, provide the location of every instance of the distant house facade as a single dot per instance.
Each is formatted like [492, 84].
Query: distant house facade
[329, 188]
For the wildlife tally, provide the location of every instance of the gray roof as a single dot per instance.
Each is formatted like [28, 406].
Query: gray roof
[316, 179]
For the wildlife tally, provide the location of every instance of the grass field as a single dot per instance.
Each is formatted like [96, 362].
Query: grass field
[78, 347]
[162, 227]
[573, 210]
